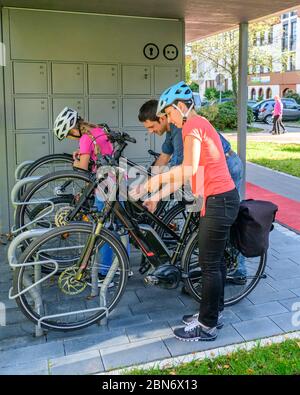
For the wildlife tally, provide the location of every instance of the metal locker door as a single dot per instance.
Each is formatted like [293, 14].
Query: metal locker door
[136, 80]
[104, 111]
[131, 109]
[31, 113]
[31, 146]
[67, 78]
[139, 150]
[103, 79]
[76, 103]
[30, 78]
[164, 77]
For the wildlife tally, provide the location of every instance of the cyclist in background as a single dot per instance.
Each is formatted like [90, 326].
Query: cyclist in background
[202, 151]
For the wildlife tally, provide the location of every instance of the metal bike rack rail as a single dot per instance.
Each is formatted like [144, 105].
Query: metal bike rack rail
[16, 202]
[20, 167]
[34, 288]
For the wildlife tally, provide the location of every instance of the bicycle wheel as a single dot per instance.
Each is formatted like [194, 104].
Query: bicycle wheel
[46, 165]
[233, 293]
[60, 302]
[49, 164]
[58, 189]
[175, 218]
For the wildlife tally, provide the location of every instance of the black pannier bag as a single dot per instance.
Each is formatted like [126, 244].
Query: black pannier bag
[250, 232]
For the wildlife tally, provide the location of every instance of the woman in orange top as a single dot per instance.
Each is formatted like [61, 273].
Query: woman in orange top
[204, 165]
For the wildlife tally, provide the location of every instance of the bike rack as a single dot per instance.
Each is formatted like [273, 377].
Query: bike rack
[16, 202]
[34, 288]
[20, 167]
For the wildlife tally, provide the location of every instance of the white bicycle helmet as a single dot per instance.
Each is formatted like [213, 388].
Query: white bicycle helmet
[65, 121]
[180, 91]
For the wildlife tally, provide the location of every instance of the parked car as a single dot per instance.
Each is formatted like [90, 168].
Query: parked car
[252, 103]
[264, 112]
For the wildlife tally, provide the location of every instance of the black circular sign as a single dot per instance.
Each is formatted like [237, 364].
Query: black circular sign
[170, 52]
[151, 51]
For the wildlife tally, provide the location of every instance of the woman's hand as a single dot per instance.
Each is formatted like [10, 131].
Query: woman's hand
[137, 192]
[153, 184]
[151, 204]
[76, 155]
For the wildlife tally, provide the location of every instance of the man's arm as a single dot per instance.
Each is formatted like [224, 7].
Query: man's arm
[161, 161]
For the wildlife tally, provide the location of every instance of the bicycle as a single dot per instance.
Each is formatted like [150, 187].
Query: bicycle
[165, 267]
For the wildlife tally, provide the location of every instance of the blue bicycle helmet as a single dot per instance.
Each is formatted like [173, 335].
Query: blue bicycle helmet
[180, 91]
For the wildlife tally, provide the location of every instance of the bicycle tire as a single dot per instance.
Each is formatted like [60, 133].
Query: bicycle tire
[23, 302]
[39, 184]
[190, 247]
[44, 160]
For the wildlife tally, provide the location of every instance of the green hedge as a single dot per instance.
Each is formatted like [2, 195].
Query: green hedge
[224, 116]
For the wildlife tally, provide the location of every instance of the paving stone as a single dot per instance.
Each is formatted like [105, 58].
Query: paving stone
[148, 331]
[96, 341]
[92, 329]
[128, 321]
[16, 330]
[129, 298]
[170, 314]
[134, 354]
[32, 368]
[288, 321]
[226, 336]
[32, 353]
[260, 310]
[149, 306]
[285, 284]
[154, 292]
[296, 291]
[258, 328]
[77, 364]
[270, 296]
[289, 303]
[21, 341]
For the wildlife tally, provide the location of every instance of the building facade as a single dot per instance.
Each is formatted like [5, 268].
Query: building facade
[283, 42]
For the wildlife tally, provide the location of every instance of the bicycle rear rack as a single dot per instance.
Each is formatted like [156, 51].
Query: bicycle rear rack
[21, 167]
[34, 288]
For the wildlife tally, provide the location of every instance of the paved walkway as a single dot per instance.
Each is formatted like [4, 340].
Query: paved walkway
[139, 330]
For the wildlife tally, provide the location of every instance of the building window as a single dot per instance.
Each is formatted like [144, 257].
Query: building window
[269, 93]
[292, 65]
[262, 38]
[293, 36]
[261, 93]
[270, 35]
[253, 94]
[285, 16]
[285, 36]
[293, 13]
[285, 92]
[261, 69]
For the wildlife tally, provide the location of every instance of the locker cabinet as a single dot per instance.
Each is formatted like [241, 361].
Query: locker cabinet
[103, 79]
[104, 111]
[31, 113]
[131, 109]
[75, 103]
[31, 146]
[138, 151]
[30, 78]
[164, 77]
[136, 80]
[65, 146]
[67, 78]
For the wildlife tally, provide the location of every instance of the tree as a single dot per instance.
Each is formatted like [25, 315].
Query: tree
[221, 52]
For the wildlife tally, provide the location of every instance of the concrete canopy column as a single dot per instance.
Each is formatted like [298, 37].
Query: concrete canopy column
[243, 98]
